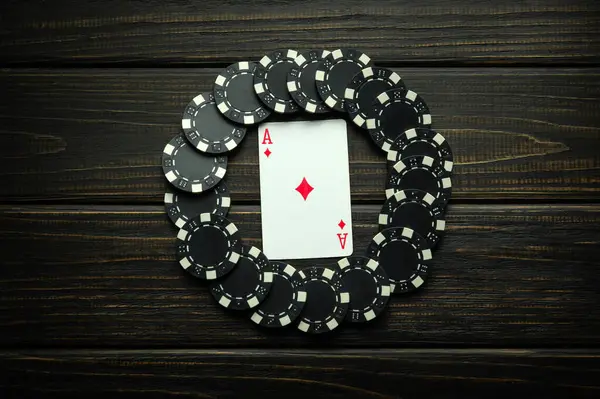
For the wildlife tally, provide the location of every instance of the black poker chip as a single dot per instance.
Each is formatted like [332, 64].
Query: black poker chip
[404, 255]
[417, 210]
[270, 81]
[235, 96]
[182, 206]
[206, 129]
[190, 170]
[364, 88]
[421, 141]
[248, 284]
[396, 111]
[423, 173]
[335, 72]
[286, 298]
[301, 81]
[327, 301]
[208, 246]
[368, 285]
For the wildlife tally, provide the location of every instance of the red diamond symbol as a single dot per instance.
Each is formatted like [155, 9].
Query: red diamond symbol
[342, 224]
[304, 188]
[267, 152]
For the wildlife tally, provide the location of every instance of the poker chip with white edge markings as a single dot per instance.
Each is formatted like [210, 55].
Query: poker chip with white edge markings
[417, 210]
[327, 301]
[248, 284]
[182, 206]
[423, 173]
[208, 246]
[301, 81]
[190, 170]
[405, 257]
[364, 88]
[206, 129]
[270, 81]
[368, 285]
[286, 298]
[235, 96]
[335, 72]
[396, 111]
[421, 141]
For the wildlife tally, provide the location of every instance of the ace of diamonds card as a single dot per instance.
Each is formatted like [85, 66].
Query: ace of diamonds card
[305, 189]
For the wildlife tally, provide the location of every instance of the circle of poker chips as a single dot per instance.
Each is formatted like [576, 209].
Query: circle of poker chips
[404, 255]
[248, 284]
[417, 210]
[301, 81]
[335, 72]
[270, 81]
[235, 97]
[421, 172]
[208, 246]
[182, 206]
[286, 298]
[368, 286]
[421, 141]
[190, 170]
[411, 221]
[206, 129]
[364, 88]
[327, 301]
[396, 110]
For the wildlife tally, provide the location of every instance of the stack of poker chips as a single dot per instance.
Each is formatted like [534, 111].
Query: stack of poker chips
[411, 222]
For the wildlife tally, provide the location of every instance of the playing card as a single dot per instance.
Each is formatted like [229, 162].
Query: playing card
[305, 189]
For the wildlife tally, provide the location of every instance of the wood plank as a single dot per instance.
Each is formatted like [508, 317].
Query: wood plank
[504, 276]
[159, 33]
[97, 134]
[297, 374]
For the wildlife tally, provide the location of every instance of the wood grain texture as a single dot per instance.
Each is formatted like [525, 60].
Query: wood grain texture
[75, 277]
[407, 374]
[106, 276]
[163, 32]
[97, 134]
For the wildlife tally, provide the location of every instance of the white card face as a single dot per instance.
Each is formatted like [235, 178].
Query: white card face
[305, 189]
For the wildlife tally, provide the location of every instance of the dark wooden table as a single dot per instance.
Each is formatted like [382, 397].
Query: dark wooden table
[93, 303]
